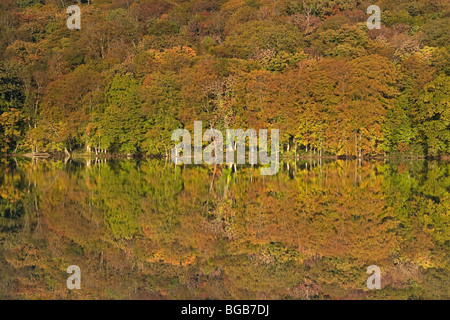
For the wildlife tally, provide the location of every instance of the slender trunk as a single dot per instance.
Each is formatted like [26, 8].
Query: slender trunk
[360, 149]
[295, 149]
[67, 153]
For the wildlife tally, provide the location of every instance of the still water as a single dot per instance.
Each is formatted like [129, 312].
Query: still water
[149, 230]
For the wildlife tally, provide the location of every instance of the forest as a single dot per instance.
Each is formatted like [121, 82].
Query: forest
[139, 69]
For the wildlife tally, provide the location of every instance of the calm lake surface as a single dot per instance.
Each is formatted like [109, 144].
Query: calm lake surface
[147, 230]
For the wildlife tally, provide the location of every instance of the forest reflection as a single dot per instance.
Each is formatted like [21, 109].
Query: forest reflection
[145, 229]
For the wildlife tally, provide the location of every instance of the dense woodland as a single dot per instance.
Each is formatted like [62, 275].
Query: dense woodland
[138, 69]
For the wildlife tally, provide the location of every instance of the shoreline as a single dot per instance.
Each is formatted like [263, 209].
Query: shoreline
[282, 158]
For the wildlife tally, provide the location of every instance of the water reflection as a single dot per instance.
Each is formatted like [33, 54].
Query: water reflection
[146, 229]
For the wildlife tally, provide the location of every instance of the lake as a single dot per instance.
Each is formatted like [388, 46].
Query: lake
[145, 229]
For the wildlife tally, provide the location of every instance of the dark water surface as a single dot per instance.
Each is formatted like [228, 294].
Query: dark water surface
[148, 230]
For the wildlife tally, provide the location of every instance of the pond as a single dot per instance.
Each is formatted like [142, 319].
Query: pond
[145, 229]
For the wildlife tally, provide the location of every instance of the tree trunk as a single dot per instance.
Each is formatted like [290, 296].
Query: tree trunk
[67, 153]
[295, 149]
[360, 149]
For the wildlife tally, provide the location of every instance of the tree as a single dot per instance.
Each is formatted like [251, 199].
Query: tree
[12, 100]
